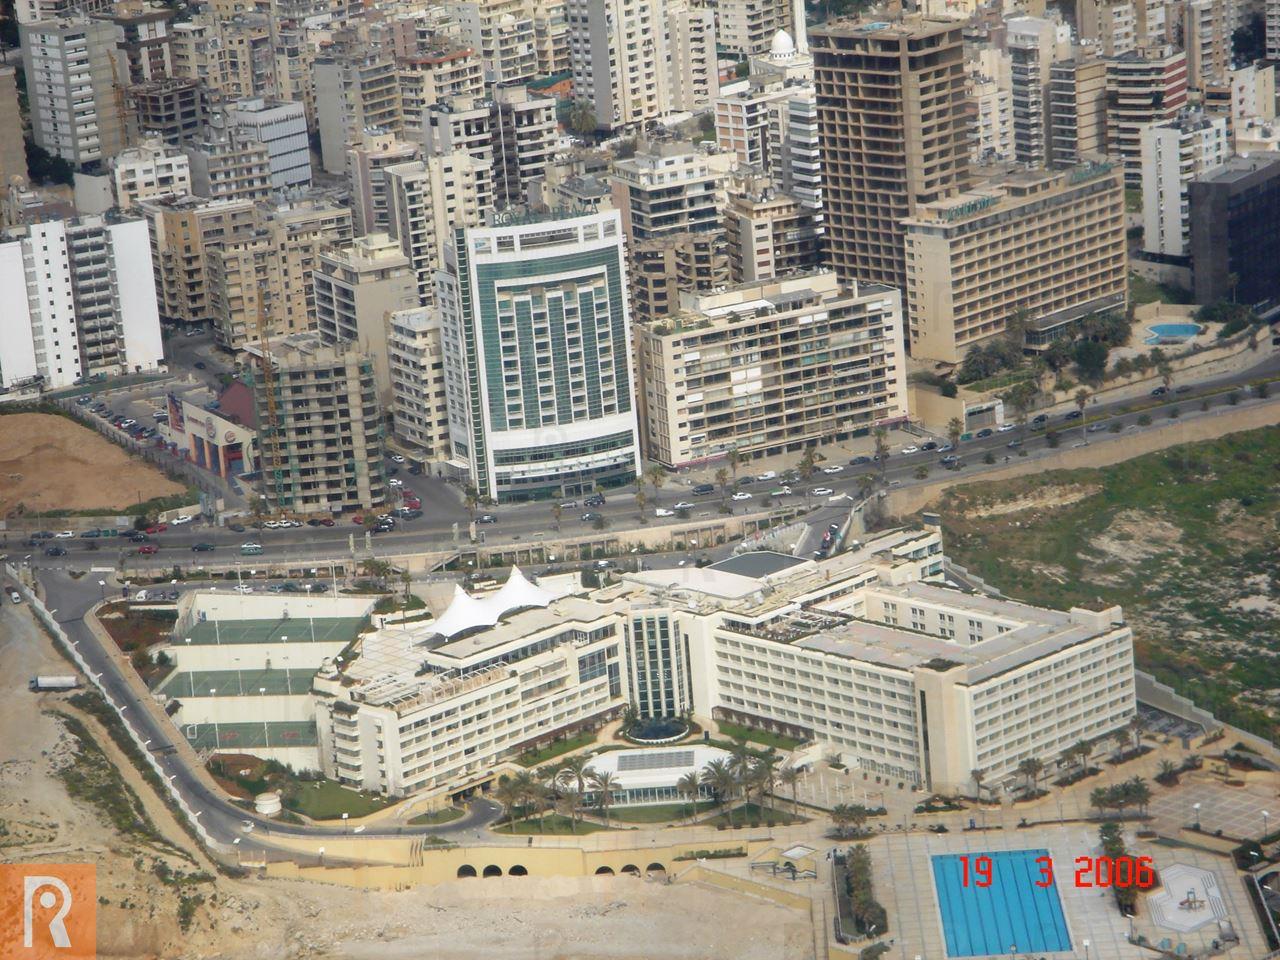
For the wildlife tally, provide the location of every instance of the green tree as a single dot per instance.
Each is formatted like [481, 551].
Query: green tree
[977, 775]
[641, 500]
[603, 784]
[582, 118]
[722, 481]
[689, 787]
[790, 778]
[955, 427]
[1031, 768]
[656, 476]
[735, 459]
[721, 780]
[557, 512]
[1090, 358]
[508, 793]
[881, 436]
[1082, 400]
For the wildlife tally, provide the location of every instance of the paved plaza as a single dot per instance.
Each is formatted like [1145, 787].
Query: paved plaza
[1236, 811]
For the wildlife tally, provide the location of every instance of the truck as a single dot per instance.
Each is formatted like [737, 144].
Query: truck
[50, 682]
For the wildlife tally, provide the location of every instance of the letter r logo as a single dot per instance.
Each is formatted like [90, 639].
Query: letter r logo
[48, 911]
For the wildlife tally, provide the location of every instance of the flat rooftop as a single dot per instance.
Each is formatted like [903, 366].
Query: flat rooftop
[757, 563]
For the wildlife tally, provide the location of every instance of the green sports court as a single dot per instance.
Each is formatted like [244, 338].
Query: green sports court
[246, 736]
[237, 683]
[295, 629]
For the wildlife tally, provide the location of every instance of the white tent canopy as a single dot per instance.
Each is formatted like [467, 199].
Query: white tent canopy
[465, 612]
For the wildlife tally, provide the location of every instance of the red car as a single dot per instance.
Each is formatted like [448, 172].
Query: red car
[408, 494]
[326, 522]
[148, 548]
[413, 503]
[358, 520]
[157, 528]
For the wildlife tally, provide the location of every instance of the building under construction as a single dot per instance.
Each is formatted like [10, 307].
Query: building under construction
[320, 427]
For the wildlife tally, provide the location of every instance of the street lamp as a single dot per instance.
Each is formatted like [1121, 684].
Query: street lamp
[262, 691]
[1196, 808]
[102, 589]
[1086, 949]
[1266, 817]
[191, 673]
[344, 822]
[217, 737]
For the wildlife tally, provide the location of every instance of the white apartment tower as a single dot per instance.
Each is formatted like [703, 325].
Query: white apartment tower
[151, 169]
[1174, 154]
[78, 301]
[1035, 44]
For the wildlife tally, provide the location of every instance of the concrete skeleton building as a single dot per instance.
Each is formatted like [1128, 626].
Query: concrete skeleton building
[891, 112]
[868, 655]
[524, 135]
[320, 431]
[78, 302]
[771, 367]
[537, 345]
[171, 108]
[229, 166]
[1049, 244]
[1174, 154]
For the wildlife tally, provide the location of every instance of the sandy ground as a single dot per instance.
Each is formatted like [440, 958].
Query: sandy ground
[589, 918]
[49, 462]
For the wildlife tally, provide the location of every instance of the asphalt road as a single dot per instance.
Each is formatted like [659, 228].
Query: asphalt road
[71, 600]
[526, 523]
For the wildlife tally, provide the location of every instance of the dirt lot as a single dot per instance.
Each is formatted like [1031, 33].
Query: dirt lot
[48, 462]
[153, 883]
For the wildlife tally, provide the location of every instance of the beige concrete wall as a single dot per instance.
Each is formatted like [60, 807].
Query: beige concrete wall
[742, 885]
[1104, 450]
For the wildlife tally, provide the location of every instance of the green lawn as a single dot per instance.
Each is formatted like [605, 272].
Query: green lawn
[551, 823]
[437, 816]
[327, 800]
[1142, 290]
[534, 758]
[1184, 540]
[657, 812]
[748, 813]
[736, 732]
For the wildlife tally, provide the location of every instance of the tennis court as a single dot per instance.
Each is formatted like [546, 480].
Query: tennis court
[298, 629]
[238, 683]
[245, 736]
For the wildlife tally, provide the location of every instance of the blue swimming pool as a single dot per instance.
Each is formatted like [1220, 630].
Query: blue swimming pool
[1012, 913]
[1172, 332]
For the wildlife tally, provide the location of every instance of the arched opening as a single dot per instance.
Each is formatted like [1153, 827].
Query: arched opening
[604, 871]
[517, 871]
[466, 870]
[492, 871]
[655, 870]
[631, 869]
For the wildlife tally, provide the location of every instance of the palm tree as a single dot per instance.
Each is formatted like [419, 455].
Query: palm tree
[1031, 769]
[808, 464]
[1082, 398]
[1165, 369]
[722, 480]
[603, 783]
[866, 483]
[977, 775]
[471, 500]
[734, 458]
[763, 775]
[722, 781]
[1099, 799]
[1167, 773]
[846, 815]
[540, 798]
[955, 427]
[790, 776]
[507, 793]
[641, 500]
[882, 449]
[656, 477]
[1135, 731]
[689, 786]
[557, 512]
[1139, 793]
[568, 804]
[1083, 750]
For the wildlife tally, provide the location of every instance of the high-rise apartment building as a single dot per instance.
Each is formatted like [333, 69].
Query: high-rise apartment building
[1145, 86]
[523, 127]
[991, 106]
[668, 196]
[1049, 245]
[75, 113]
[151, 169]
[229, 166]
[1077, 111]
[747, 27]
[354, 95]
[1207, 27]
[229, 53]
[367, 162]
[894, 135]
[1110, 25]
[459, 124]
[434, 76]
[428, 200]
[357, 287]
[768, 233]
[1174, 154]
[320, 430]
[142, 40]
[419, 405]
[78, 301]
[502, 32]
[537, 341]
[770, 367]
[1035, 44]
[182, 229]
[692, 67]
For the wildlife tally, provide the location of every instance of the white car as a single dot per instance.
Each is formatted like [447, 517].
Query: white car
[274, 524]
[244, 588]
[767, 475]
[64, 535]
[837, 468]
[396, 458]
[683, 505]
[822, 491]
[741, 495]
[396, 482]
[179, 521]
[1006, 427]
[908, 450]
[663, 512]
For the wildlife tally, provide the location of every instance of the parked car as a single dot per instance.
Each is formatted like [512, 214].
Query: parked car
[595, 500]
[703, 489]
[929, 445]
[984, 433]
[741, 495]
[236, 527]
[909, 449]
[486, 518]
[383, 527]
[683, 505]
[822, 491]
[147, 549]
[767, 475]
[834, 468]
[157, 528]
[244, 588]
[90, 534]
[590, 517]
[663, 512]
[181, 521]
[395, 482]
[396, 458]
[202, 547]
[64, 535]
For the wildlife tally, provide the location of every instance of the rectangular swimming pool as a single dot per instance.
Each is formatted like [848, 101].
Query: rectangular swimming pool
[1010, 914]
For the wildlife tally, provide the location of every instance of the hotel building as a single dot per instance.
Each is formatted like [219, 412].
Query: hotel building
[1050, 244]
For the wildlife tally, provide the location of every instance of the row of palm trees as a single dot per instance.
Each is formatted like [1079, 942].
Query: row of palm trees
[563, 786]
[1077, 755]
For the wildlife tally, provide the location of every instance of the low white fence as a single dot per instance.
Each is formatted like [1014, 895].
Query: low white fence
[39, 609]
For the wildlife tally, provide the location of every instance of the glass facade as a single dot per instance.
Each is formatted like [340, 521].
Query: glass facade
[659, 658]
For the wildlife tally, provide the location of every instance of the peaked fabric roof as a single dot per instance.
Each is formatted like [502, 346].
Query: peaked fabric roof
[465, 612]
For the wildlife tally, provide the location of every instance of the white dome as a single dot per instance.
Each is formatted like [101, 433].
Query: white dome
[783, 45]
